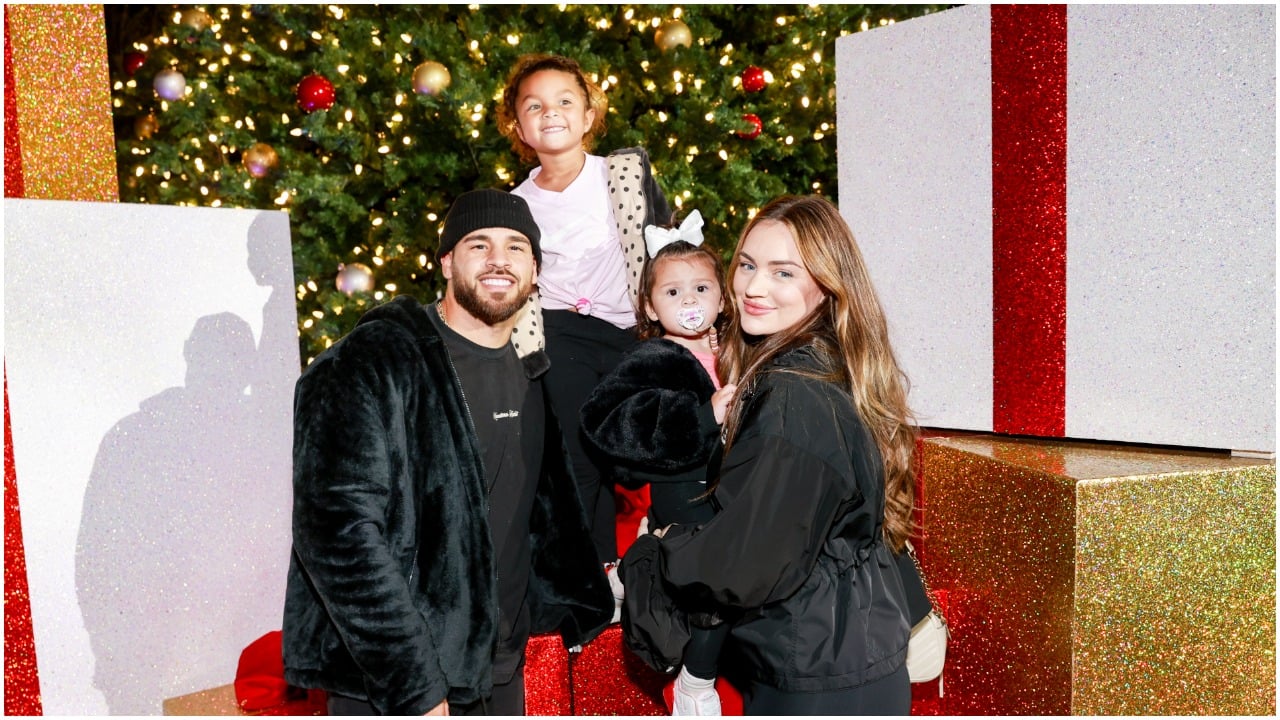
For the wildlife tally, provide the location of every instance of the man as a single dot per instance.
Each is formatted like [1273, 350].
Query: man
[435, 520]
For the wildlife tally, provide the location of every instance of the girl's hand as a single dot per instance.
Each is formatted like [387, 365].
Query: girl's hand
[721, 400]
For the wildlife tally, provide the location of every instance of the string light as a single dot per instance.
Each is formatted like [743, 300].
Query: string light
[203, 162]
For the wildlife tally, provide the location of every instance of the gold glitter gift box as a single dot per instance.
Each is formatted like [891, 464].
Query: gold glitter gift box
[1102, 579]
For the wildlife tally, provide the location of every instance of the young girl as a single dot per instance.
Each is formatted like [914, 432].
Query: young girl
[658, 415]
[591, 211]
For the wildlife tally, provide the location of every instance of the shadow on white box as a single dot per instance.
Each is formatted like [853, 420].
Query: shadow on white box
[151, 354]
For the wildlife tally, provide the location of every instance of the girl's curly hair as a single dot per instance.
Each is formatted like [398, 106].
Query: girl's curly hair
[527, 65]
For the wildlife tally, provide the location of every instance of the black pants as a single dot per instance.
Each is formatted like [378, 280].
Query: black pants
[582, 350]
[507, 700]
[887, 696]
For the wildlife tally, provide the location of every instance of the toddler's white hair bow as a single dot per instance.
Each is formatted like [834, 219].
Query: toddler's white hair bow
[690, 231]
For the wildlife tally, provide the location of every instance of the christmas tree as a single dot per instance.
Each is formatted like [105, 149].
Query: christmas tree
[364, 122]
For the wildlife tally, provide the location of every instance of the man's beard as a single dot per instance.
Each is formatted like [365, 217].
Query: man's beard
[490, 312]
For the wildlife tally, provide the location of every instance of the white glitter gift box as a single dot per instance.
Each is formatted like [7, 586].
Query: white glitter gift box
[150, 357]
[1069, 214]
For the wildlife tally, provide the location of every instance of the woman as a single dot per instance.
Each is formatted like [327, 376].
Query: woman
[815, 485]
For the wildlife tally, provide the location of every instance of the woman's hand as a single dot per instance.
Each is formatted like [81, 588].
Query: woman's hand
[721, 400]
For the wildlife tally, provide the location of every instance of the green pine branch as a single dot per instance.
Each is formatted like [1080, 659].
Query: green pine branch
[357, 193]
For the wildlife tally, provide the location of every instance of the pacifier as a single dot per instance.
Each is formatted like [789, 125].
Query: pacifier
[691, 318]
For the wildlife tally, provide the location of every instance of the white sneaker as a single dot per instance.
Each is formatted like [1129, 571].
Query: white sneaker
[694, 696]
[615, 584]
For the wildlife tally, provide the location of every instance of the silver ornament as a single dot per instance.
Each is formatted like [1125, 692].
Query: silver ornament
[170, 84]
[354, 278]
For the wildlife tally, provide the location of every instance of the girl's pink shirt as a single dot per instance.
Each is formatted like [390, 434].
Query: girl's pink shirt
[581, 253]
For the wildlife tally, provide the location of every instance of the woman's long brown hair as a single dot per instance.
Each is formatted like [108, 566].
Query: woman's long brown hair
[850, 337]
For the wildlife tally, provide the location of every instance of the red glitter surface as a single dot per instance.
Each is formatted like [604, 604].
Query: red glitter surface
[546, 677]
[21, 680]
[1029, 218]
[13, 186]
[609, 680]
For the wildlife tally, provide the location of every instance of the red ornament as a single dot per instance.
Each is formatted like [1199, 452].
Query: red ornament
[756, 127]
[753, 79]
[315, 92]
[133, 62]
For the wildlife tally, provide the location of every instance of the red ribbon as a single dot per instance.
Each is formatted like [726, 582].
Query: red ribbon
[13, 185]
[21, 678]
[1029, 218]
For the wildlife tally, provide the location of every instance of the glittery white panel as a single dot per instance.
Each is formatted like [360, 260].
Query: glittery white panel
[155, 487]
[914, 118]
[1171, 230]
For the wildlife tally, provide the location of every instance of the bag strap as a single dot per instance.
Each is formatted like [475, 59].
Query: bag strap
[928, 591]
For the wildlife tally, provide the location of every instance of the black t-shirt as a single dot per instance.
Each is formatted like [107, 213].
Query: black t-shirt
[507, 411]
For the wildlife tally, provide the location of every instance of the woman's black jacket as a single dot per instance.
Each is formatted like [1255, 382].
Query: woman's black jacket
[795, 554]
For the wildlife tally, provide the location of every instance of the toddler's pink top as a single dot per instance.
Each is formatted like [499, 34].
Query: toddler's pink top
[708, 361]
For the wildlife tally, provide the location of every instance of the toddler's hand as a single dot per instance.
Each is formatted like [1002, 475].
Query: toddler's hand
[720, 401]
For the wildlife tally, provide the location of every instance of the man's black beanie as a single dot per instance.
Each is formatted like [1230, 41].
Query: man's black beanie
[487, 208]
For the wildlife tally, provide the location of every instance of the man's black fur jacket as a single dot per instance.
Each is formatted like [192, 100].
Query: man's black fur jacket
[391, 591]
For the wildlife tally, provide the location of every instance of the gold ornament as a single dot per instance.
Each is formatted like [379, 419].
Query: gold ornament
[196, 19]
[672, 33]
[260, 160]
[144, 126]
[430, 78]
